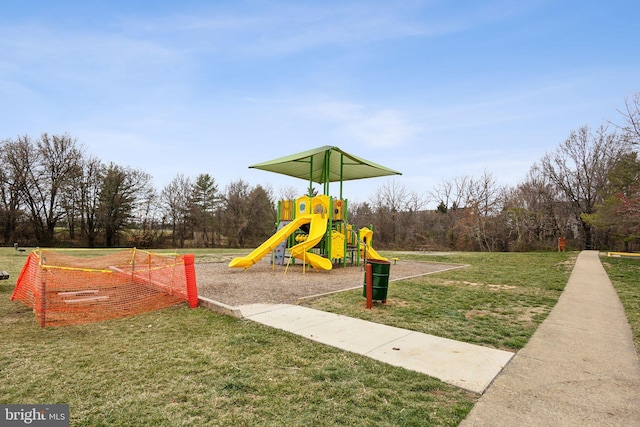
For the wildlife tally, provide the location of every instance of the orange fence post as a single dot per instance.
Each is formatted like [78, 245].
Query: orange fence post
[41, 301]
[21, 276]
[190, 273]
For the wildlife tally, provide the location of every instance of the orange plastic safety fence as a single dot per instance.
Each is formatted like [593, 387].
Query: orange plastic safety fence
[65, 290]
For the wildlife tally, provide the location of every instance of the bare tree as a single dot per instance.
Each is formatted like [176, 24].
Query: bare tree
[484, 202]
[360, 214]
[249, 213]
[236, 213]
[452, 194]
[578, 169]
[459, 209]
[485, 194]
[48, 168]
[631, 114]
[90, 186]
[474, 210]
[122, 187]
[533, 215]
[395, 210]
[176, 201]
[146, 214]
[288, 193]
[12, 185]
[21, 159]
[387, 202]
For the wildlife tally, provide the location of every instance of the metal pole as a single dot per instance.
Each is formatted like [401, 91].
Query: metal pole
[369, 274]
[327, 165]
[341, 172]
[311, 177]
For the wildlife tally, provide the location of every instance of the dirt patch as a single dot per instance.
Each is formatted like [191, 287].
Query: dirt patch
[472, 314]
[527, 314]
[488, 285]
[262, 284]
[522, 315]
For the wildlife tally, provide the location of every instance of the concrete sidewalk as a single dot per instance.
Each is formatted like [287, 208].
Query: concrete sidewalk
[580, 368]
[468, 366]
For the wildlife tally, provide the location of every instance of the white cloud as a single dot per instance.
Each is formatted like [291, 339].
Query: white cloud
[383, 128]
[370, 127]
[275, 29]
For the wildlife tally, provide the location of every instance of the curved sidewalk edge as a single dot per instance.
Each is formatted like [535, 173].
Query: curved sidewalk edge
[464, 365]
[579, 368]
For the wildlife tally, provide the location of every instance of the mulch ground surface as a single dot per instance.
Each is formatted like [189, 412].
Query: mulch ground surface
[263, 284]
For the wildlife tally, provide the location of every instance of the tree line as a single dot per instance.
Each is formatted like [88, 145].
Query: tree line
[53, 194]
[587, 191]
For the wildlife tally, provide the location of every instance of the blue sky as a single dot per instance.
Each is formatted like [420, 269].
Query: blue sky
[434, 89]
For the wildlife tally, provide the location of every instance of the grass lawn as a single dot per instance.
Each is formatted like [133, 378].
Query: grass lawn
[625, 277]
[185, 367]
[181, 366]
[497, 301]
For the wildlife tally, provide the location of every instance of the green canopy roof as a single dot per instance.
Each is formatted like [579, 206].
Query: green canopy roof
[324, 165]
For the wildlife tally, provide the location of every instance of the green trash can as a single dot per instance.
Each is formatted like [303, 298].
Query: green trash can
[380, 279]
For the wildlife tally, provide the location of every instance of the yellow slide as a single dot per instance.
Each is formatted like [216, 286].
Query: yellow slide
[271, 243]
[365, 235]
[316, 232]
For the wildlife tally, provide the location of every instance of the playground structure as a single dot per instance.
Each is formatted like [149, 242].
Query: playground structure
[66, 290]
[315, 229]
[320, 238]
